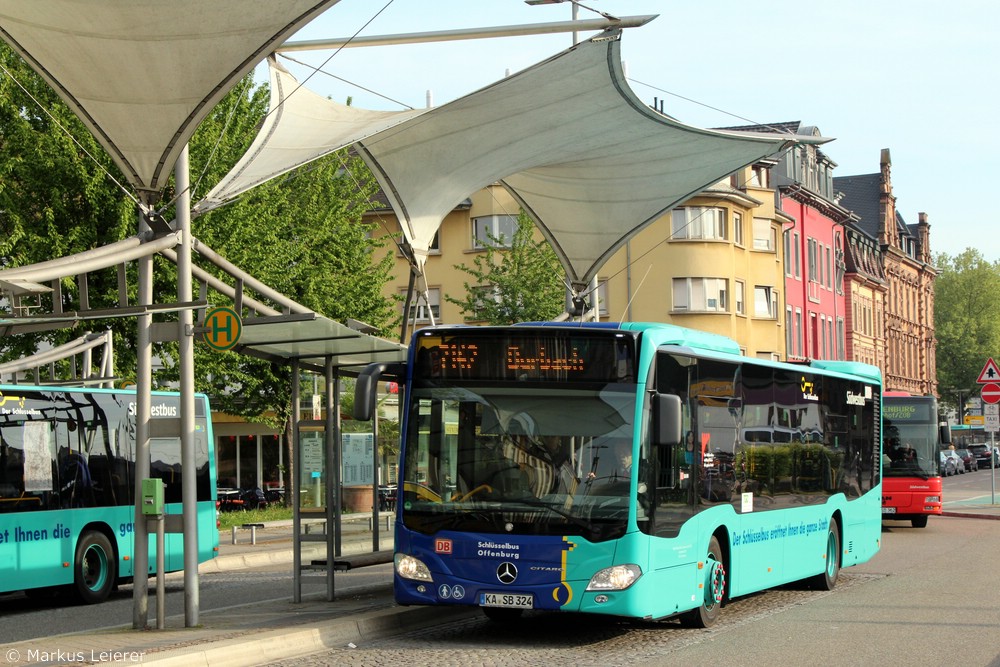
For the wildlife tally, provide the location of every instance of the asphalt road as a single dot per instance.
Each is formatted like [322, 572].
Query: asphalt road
[920, 601]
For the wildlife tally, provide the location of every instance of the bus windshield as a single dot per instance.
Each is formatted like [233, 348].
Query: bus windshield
[911, 437]
[549, 459]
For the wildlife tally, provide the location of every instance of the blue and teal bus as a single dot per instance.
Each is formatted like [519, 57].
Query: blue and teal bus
[67, 488]
[636, 470]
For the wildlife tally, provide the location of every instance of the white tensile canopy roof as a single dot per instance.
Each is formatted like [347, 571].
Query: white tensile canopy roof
[567, 137]
[577, 149]
[142, 74]
[300, 127]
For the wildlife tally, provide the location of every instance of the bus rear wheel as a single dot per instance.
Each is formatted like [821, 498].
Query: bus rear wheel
[714, 588]
[828, 579]
[94, 568]
[919, 521]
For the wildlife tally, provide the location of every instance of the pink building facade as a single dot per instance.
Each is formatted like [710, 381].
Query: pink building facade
[815, 306]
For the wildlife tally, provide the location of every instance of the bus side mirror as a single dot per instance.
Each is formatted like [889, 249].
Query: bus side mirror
[944, 433]
[364, 389]
[666, 419]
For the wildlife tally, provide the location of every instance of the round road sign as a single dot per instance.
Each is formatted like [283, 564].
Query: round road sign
[991, 393]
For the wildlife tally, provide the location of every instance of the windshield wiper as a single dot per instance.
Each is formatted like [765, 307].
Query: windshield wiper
[459, 514]
[557, 509]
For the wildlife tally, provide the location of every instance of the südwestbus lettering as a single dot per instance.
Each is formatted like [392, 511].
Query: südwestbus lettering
[158, 410]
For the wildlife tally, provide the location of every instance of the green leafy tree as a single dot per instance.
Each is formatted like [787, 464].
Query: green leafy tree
[966, 320]
[522, 283]
[58, 196]
[301, 235]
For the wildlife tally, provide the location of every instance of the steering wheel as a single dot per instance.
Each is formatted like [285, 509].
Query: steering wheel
[481, 488]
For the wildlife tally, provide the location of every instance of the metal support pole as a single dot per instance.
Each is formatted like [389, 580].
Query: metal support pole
[161, 573]
[143, 398]
[993, 469]
[375, 468]
[189, 465]
[332, 443]
[338, 467]
[575, 26]
[296, 476]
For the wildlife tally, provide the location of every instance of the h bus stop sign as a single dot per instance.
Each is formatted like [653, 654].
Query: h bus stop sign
[222, 328]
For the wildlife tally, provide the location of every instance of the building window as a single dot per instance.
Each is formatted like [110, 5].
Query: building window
[698, 222]
[811, 260]
[738, 228]
[765, 302]
[422, 308]
[493, 230]
[481, 295]
[829, 267]
[829, 336]
[797, 250]
[433, 249]
[800, 345]
[699, 294]
[823, 337]
[759, 176]
[763, 235]
[602, 297]
[789, 331]
[739, 290]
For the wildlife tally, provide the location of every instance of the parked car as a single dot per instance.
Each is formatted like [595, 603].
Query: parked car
[981, 451]
[948, 465]
[970, 460]
[956, 460]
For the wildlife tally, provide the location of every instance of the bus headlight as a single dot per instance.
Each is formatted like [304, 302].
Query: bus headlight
[409, 567]
[616, 578]
[932, 499]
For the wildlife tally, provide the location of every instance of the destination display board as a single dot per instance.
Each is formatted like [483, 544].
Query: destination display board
[540, 354]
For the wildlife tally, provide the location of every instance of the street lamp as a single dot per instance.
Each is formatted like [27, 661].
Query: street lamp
[576, 10]
[961, 402]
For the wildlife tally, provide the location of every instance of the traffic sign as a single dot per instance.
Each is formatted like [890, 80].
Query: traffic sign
[991, 415]
[990, 373]
[991, 393]
[223, 328]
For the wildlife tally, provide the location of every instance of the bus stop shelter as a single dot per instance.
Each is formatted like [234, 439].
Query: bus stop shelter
[315, 344]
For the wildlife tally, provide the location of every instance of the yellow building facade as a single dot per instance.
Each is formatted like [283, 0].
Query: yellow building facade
[714, 264]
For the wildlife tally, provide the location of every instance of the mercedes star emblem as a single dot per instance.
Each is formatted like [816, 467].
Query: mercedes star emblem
[507, 573]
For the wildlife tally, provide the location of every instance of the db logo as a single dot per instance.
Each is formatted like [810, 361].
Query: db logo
[442, 546]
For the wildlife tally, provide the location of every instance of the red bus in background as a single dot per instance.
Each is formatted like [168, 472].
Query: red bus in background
[912, 439]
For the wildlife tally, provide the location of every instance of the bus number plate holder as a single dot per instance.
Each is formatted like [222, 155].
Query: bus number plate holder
[507, 600]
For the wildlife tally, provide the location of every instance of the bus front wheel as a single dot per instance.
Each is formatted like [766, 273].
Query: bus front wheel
[94, 568]
[714, 590]
[919, 521]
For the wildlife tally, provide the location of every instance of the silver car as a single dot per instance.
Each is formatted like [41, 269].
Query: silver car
[949, 464]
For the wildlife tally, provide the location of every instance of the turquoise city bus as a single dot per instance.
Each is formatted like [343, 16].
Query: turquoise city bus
[636, 470]
[67, 488]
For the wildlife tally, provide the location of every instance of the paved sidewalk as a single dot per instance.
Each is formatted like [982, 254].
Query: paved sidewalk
[252, 635]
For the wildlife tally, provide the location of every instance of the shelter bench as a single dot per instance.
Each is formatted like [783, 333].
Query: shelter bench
[343, 563]
[252, 527]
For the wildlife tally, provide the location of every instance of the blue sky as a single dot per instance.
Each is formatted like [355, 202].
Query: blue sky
[914, 76]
